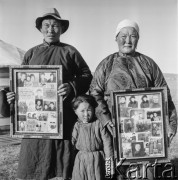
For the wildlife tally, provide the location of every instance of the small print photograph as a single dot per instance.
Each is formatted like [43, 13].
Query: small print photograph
[22, 107]
[34, 115]
[154, 115]
[124, 112]
[143, 126]
[22, 76]
[42, 116]
[147, 150]
[49, 106]
[42, 79]
[122, 101]
[21, 117]
[156, 146]
[44, 126]
[137, 114]
[39, 93]
[138, 149]
[31, 125]
[144, 102]
[31, 80]
[38, 126]
[29, 115]
[128, 125]
[155, 101]
[52, 78]
[126, 150]
[143, 137]
[156, 129]
[128, 138]
[31, 106]
[39, 104]
[21, 126]
[133, 103]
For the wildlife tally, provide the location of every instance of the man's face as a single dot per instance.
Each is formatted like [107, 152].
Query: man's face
[127, 40]
[51, 30]
[137, 147]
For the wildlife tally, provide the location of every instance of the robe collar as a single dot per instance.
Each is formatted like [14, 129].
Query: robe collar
[49, 44]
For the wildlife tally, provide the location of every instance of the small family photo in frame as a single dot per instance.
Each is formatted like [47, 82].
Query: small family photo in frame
[38, 110]
[141, 121]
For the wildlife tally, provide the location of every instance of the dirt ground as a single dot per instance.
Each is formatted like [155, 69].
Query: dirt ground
[9, 155]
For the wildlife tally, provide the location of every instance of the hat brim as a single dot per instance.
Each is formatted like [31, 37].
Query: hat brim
[64, 22]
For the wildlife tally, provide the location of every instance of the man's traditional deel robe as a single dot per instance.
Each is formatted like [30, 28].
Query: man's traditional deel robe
[41, 158]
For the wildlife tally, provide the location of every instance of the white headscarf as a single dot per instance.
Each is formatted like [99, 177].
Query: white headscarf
[126, 23]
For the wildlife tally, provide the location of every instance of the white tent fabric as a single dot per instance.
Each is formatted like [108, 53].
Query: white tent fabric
[10, 55]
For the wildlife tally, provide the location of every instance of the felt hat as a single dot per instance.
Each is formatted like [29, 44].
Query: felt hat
[52, 12]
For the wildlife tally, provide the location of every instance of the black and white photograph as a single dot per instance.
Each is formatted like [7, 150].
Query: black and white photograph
[138, 149]
[156, 129]
[121, 53]
[128, 125]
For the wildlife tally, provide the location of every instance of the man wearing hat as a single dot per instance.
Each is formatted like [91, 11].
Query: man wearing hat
[42, 159]
[127, 69]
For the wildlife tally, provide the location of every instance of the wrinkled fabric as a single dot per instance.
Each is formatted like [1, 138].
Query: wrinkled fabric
[42, 159]
[118, 72]
[94, 144]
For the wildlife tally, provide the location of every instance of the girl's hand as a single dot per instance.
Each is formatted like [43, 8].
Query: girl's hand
[64, 89]
[10, 97]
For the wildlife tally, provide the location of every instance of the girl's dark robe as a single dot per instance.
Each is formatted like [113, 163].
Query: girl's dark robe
[94, 144]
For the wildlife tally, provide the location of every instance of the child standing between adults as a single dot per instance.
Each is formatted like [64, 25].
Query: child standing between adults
[92, 140]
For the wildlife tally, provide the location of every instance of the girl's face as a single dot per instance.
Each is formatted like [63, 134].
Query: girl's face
[85, 112]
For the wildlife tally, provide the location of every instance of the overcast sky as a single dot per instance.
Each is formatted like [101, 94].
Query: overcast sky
[92, 26]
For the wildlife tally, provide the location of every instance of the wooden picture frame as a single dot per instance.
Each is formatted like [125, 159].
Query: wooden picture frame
[141, 121]
[38, 110]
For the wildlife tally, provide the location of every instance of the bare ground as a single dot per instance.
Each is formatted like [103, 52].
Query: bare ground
[9, 155]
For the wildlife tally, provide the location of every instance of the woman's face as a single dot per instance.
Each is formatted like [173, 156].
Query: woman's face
[127, 40]
[51, 30]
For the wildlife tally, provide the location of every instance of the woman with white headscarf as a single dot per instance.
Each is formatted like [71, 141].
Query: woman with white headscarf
[127, 69]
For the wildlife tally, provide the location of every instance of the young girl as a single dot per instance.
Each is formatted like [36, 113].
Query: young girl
[92, 140]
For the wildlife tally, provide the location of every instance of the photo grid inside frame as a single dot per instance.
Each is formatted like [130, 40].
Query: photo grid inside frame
[141, 122]
[37, 102]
